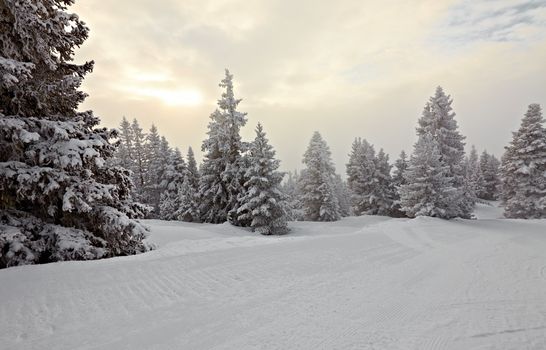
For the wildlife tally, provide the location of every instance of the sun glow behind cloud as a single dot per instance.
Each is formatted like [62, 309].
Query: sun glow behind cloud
[169, 97]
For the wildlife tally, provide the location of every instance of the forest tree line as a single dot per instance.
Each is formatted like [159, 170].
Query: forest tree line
[439, 179]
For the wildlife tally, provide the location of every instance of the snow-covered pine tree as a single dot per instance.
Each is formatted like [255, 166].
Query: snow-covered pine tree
[384, 192]
[58, 200]
[157, 154]
[290, 189]
[188, 193]
[172, 180]
[140, 165]
[192, 169]
[318, 195]
[524, 169]
[400, 167]
[343, 195]
[428, 190]
[438, 120]
[398, 179]
[490, 169]
[124, 151]
[360, 176]
[262, 205]
[220, 181]
[369, 180]
[473, 177]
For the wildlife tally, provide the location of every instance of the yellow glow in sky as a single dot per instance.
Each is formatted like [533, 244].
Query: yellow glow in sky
[171, 97]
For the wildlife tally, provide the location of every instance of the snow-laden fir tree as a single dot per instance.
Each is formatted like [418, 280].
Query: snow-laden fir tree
[524, 169]
[473, 177]
[171, 182]
[369, 179]
[400, 166]
[291, 190]
[58, 200]
[490, 169]
[384, 192]
[188, 193]
[139, 160]
[438, 120]
[157, 154]
[429, 187]
[318, 195]
[262, 204]
[398, 179]
[360, 176]
[343, 195]
[124, 152]
[220, 181]
[193, 171]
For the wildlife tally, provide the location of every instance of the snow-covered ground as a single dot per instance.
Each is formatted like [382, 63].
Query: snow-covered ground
[360, 283]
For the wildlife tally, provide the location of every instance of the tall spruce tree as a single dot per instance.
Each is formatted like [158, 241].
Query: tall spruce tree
[384, 192]
[317, 188]
[438, 120]
[171, 181]
[140, 164]
[361, 178]
[369, 180]
[429, 187]
[262, 204]
[291, 189]
[400, 167]
[524, 168]
[157, 153]
[473, 177]
[124, 152]
[490, 169]
[343, 195]
[188, 193]
[192, 169]
[220, 181]
[58, 200]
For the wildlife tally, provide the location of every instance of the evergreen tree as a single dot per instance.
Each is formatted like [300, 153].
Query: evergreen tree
[524, 169]
[291, 190]
[188, 193]
[157, 152]
[189, 205]
[192, 169]
[438, 120]
[343, 195]
[172, 180]
[490, 169]
[384, 192]
[369, 180]
[398, 180]
[220, 181]
[262, 204]
[318, 197]
[58, 200]
[473, 178]
[124, 152]
[428, 190]
[361, 176]
[400, 167]
[140, 165]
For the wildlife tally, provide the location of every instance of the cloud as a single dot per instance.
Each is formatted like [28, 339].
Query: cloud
[349, 68]
[497, 20]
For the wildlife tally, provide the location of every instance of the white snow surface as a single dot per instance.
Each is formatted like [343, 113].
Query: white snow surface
[359, 283]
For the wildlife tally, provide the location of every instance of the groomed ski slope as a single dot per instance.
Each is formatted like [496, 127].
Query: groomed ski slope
[360, 283]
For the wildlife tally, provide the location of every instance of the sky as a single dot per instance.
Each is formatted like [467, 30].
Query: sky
[348, 68]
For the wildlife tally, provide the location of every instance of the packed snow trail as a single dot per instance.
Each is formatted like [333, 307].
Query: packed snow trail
[360, 283]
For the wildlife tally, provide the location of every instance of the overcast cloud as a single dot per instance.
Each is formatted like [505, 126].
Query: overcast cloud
[346, 68]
